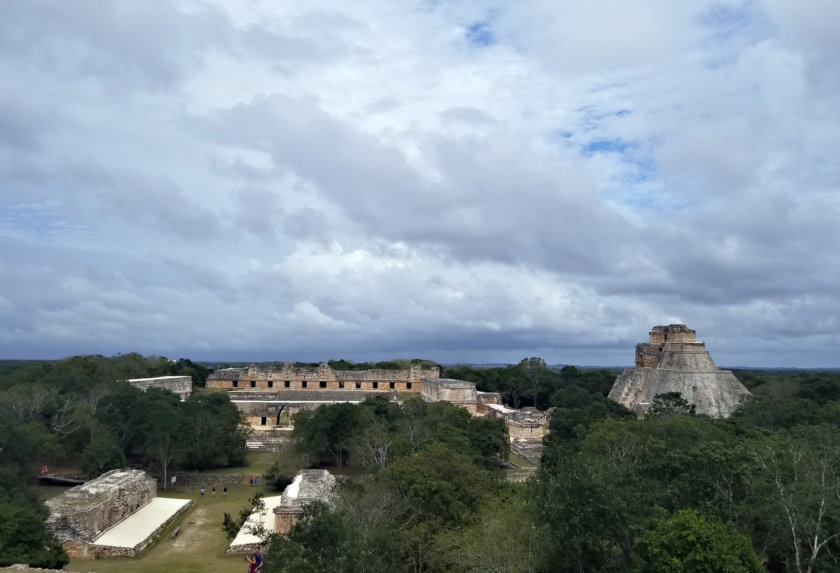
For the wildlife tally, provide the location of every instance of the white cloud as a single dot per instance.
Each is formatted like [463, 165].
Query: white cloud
[463, 181]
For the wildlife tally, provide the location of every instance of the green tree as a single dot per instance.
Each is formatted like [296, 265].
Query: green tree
[102, 454]
[25, 539]
[671, 404]
[329, 430]
[689, 542]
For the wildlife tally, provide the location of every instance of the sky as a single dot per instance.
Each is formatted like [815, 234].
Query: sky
[465, 181]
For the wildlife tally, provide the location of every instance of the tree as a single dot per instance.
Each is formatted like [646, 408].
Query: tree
[796, 503]
[533, 370]
[103, 453]
[25, 539]
[689, 542]
[329, 430]
[670, 404]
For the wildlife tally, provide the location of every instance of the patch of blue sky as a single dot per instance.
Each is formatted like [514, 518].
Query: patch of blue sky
[480, 35]
[725, 21]
[29, 220]
[729, 29]
[606, 146]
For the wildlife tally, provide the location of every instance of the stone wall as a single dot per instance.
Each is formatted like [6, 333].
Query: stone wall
[308, 486]
[457, 392]
[322, 377]
[180, 385]
[484, 399]
[207, 480]
[81, 513]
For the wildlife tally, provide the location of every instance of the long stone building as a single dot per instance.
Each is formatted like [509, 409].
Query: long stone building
[673, 361]
[321, 377]
[269, 397]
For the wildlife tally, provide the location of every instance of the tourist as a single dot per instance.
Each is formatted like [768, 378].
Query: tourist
[202, 492]
[251, 480]
[255, 561]
[213, 493]
[224, 492]
[255, 480]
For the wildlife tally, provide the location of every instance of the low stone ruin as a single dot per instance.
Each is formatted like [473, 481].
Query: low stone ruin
[279, 513]
[673, 361]
[526, 427]
[457, 392]
[308, 486]
[180, 385]
[81, 514]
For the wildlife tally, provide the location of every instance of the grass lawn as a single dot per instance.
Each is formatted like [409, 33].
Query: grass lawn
[201, 544]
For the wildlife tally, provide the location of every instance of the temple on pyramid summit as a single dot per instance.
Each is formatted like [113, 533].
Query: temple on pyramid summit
[673, 361]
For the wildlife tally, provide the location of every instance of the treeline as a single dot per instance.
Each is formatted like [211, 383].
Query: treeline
[423, 475]
[80, 413]
[681, 492]
[531, 382]
[674, 491]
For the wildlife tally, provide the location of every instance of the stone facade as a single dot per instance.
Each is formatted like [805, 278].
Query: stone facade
[80, 514]
[264, 409]
[484, 400]
[526, 427]
[322, 377]
[180, 385]
[673, 361]
[457, 392]
[308, 486]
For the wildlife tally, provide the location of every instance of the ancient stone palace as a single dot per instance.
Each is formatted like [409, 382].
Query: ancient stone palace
[321, 377]
[673, 361]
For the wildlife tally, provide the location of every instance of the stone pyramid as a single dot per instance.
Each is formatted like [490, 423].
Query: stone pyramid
[673, 361]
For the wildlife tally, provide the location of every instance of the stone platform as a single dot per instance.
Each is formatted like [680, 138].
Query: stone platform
[137, 531]
[245, 541]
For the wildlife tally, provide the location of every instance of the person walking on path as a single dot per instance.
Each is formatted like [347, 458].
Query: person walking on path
[213, 492]
[224, 492]
[202, 492]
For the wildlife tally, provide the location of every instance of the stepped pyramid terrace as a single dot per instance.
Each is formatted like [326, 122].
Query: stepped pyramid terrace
[673, 361]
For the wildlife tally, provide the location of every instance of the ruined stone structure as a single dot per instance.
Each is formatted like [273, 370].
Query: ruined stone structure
[457, 392]
[180, 385]
[268, 398]
[280, 512]
[322, 377]
[79, 515]
[673, 361]
[526, 427]
[115, 515]
[266, 408]
[308, 486]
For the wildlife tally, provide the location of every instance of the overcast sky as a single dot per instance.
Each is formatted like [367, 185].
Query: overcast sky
[465, 181]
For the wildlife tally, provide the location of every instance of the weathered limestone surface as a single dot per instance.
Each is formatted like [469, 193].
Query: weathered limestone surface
[308, 486]
[281, 512]
[457, 392]
[484, 400]
[139, 530]
[80, 514]
[672, 361]
[180, 385]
